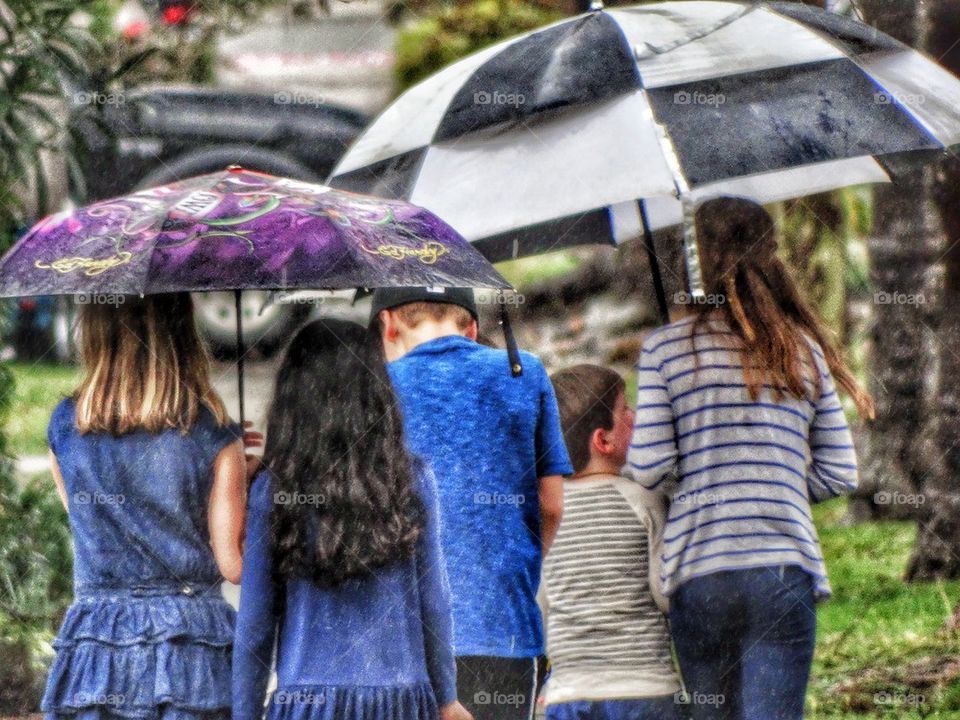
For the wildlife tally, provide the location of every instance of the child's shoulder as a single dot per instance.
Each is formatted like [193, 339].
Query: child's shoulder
[640, 499]
[495, 363]
[63, 416]
[63, 420]
[260, 496]
[667, 334]
[66, 408]
[497, 357]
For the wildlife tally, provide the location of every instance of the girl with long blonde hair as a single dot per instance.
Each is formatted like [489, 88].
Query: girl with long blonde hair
[152, 474]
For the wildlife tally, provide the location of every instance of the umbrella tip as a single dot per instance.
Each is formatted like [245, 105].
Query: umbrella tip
[596, 5]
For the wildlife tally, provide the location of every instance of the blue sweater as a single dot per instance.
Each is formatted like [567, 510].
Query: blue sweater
[377, 647]
[489, 437]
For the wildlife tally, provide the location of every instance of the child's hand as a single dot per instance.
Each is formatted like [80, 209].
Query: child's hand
[455, 711]
[251, 439]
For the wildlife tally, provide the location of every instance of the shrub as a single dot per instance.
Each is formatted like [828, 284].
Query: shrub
[449, 32]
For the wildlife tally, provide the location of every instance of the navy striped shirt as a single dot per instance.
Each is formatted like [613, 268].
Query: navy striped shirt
[740, 474]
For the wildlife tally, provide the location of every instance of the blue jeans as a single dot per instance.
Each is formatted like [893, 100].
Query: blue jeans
[744, 640]
[656, 708]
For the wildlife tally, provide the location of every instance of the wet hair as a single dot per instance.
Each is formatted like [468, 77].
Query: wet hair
[587, 397]
[145, 366]
[343, 481]
[762, 305]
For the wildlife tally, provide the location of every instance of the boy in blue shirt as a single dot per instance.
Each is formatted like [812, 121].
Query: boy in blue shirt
[495, 443]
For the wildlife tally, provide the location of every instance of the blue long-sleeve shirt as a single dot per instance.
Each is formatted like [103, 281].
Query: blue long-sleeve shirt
[740, 474]
[389, 632]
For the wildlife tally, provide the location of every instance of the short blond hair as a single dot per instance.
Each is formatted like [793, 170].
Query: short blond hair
[414, 313]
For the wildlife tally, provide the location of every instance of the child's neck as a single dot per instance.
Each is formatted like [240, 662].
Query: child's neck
[428, 331]
[597, 466]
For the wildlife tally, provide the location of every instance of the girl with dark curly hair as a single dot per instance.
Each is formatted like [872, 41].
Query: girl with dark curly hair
[342, 566]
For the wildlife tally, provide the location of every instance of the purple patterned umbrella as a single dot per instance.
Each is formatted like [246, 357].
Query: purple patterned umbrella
[237, 229]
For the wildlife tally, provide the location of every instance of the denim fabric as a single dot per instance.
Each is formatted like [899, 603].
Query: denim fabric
[744, 639]
[138, 503]
[148, 635]
[488, 436]
[659, 708]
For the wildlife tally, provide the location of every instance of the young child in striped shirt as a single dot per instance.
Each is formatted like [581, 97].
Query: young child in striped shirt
[607, 638]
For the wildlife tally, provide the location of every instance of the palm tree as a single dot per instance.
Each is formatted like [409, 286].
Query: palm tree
[38, 43]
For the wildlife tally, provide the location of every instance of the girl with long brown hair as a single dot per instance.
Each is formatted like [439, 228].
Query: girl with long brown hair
[740, 428]
[152, 474]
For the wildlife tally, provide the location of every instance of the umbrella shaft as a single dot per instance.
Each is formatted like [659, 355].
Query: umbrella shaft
[662, 307]
[241, 351]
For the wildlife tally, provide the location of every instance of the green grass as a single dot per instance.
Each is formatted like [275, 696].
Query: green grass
[877, 634]
[39, 387]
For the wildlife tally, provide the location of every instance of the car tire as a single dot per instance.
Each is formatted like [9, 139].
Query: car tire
[266, 326]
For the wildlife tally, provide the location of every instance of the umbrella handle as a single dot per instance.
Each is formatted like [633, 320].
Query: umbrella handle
[241, 351]
[513, 352]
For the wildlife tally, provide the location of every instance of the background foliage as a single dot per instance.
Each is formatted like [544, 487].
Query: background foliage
[444, 33]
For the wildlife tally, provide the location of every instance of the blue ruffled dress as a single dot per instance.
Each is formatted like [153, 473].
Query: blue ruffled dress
[149, 634]
[377, 648]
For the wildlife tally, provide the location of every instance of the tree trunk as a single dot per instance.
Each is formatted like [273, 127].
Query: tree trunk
[937, 551]
[901, 247]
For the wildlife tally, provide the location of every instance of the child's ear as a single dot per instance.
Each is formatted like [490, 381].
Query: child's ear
[599, 443]
[472, 330]
[388, 323]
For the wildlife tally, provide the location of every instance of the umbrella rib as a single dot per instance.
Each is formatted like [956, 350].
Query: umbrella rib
[687, 39]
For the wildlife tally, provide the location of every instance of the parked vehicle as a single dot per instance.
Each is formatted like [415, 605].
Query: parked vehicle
[157, 136]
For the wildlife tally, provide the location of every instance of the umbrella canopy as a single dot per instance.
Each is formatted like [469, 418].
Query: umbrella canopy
[550, 138]
[238, 229]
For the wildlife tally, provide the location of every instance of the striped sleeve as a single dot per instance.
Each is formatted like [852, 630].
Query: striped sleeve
[833, 461]
[652, 460]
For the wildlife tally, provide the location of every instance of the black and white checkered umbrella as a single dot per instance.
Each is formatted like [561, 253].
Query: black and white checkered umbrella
[551, 138]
